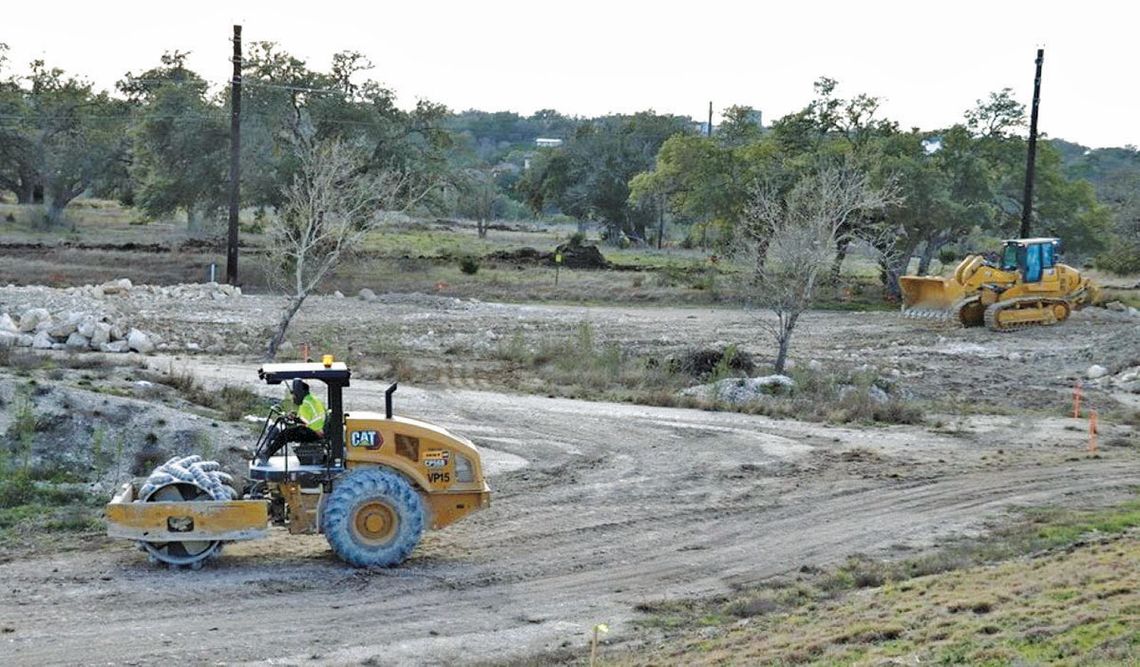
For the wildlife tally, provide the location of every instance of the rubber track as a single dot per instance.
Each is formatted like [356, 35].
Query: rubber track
[962, 303]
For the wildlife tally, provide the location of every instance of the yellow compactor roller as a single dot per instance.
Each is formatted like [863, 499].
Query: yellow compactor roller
[371, 485]
[1027, 287]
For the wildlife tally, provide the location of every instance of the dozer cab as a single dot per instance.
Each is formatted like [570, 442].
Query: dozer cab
[1027, 286]
[371, 484]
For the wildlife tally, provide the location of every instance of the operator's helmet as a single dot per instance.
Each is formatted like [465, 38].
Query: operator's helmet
[300, 391]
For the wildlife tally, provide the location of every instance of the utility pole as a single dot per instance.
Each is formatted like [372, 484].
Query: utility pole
[1031, 160]
[709, 128]
[235, 162]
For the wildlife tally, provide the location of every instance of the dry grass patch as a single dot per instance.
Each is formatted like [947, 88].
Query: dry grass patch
[1076, 607]
[1067, 592]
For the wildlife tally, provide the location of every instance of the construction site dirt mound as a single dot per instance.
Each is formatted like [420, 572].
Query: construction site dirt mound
[701, 363]
[574, 256]
[578, 256]
[523, 256]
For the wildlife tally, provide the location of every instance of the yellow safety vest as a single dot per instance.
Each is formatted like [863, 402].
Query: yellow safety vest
[312, 412]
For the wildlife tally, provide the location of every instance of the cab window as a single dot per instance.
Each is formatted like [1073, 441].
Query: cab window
[1033, 264]
[1009, 257]
[1047, 258]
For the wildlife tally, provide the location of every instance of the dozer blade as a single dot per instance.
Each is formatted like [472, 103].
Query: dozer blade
[929, 297]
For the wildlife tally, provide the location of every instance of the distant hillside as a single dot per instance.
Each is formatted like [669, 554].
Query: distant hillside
[1105, 168]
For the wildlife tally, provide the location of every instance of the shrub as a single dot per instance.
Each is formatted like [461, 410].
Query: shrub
[1122, 258]
[236, 402]
[469, 264]
[947, 255]
[16, 488]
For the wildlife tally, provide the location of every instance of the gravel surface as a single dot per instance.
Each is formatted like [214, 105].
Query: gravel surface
[597, 507]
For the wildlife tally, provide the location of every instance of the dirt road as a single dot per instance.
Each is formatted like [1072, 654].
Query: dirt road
[597, 507]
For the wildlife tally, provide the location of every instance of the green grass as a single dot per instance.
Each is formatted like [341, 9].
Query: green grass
[32, 510]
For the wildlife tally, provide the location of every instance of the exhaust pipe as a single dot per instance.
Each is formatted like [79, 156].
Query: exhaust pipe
[388, 400]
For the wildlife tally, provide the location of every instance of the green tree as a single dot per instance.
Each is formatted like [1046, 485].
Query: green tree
[740, 125]
[180, 142]
[1062, 207]
[589, 176]
[19, 168]
[289, 108]
[77, 135]
[704, 180]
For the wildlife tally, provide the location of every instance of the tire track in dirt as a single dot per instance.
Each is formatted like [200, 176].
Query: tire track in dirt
[619, 504]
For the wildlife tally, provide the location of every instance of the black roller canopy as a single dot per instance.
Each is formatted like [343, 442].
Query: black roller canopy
[337, 374]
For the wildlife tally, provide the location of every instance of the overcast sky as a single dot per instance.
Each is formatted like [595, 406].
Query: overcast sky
[929, 60]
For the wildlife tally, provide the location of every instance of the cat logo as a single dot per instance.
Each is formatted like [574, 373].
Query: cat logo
[367, 439]
[436, 458]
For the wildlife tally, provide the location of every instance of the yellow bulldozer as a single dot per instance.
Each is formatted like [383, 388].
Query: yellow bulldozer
[1026, 287]
[370, 483]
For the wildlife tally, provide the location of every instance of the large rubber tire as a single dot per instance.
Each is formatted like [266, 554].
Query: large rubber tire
[373, 518]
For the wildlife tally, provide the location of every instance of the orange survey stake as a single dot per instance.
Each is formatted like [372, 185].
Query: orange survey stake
[1092, 431]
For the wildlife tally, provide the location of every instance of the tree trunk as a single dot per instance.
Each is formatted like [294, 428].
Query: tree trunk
[57, 199]
[783, 340]
[933, 245]
[53, 213]
[889, 273]
[841, 246]
[481, 228]
[761, 254]
[639, 231]
[283, 324]
[661, 222]
[26, 193]
[27, 188]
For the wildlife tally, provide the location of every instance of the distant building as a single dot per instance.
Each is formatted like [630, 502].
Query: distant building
[547, 143]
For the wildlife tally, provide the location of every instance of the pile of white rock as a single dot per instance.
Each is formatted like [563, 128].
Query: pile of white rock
[740, 391]
[186, 292]
[37, 328]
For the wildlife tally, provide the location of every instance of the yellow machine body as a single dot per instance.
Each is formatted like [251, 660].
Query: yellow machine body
[212, 520]
[444, 466]
[1004, 297]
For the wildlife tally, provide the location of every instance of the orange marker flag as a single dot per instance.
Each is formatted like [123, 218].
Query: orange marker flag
[1092, 431]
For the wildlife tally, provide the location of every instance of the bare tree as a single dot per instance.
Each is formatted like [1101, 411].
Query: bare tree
[329, 208]
[789, 242]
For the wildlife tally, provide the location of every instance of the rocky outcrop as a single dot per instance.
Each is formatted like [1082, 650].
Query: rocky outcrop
[96, 321]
